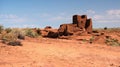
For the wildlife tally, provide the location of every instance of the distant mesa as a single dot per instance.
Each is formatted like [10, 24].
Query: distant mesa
[81, 25]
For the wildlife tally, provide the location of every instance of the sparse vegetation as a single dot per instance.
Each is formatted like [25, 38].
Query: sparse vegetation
[15, 43]
[38, 31]
[19, 33]
[11, 37]
[91, 39]
[8, 30]
[31, 33]
[84, 40]
[117, 29]
[1, 28]
[112, 42]
[105, 28]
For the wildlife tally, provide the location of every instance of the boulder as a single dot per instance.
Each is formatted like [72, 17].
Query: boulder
[44, 33]
[52, 34]
[62, 29]
[68, 29]
[48, 27]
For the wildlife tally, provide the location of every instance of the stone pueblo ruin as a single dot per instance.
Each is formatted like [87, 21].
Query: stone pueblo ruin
[81, 25]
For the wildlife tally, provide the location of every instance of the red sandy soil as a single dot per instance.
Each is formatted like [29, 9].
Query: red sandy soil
[46, 52]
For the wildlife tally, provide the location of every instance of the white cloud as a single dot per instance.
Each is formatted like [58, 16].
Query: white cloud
[29, 25]
[112, 16]
[114, 12]
[63, 13]
[14, 20]
[107, 21]
[45, 15]
[11, 18]
[8, 16]
[97, 17]
[56, 18]
[90, 11]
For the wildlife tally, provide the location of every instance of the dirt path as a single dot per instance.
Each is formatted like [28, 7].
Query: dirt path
[46, 52]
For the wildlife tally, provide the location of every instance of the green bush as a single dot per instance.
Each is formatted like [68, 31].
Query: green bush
[31, 33]
[15, 43]
[112, 42]
[11, 38]
[38, 31]
[105, 28]
[8, 30]
[91, 39]
[21, 36]
[84, 40]
[19, 33]
[1, 28]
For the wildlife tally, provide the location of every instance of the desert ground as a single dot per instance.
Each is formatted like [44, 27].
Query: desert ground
[54, 52]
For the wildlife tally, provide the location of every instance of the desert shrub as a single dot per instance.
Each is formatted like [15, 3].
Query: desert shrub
[8, 30]
[84, 40]
[91, 39]
[21, 36]
[113, 30]
[97, 29]
[11, 38]
[15, 43]
[19, 33]
[105, 28]
[112, 42]
[38, 31]
[1, 28]
[31, 33]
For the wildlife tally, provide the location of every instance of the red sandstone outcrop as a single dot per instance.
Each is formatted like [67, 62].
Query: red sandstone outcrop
[48, 27]
[49, 32]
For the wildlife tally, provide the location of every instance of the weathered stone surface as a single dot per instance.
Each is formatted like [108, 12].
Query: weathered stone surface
[66, 29]
[37, 30]
[44, 33]
[69, 29]
[80, 20]
[80, 25]
[99, 39]
[88, 26]
[48, 27]
[76, 19]
[62, 29]
[52, 34]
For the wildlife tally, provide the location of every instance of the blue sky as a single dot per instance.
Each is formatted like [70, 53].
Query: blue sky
[41, 13]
